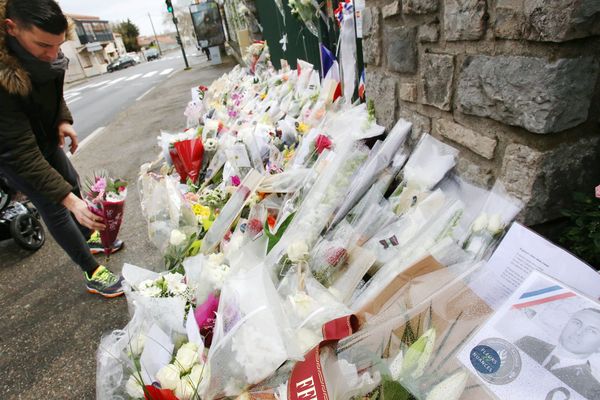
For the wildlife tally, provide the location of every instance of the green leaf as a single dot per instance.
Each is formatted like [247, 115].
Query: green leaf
[274, 239]
[392, 390]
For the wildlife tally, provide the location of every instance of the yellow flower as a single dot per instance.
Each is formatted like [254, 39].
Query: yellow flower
[302, 128]
[201, 211]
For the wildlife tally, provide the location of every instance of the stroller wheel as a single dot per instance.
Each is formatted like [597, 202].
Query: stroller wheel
[27, 232]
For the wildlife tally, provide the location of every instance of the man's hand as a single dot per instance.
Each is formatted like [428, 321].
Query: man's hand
[65, 129]
[82, 213]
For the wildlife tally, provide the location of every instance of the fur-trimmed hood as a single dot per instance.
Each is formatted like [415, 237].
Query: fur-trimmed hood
[13, 78]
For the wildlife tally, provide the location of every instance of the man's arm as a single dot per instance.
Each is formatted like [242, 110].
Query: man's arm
[19, 151]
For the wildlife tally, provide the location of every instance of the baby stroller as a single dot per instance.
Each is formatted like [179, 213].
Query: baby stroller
[19, 220]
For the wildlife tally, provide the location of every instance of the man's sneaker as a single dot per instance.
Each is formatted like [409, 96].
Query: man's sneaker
[96, 246]
[104, 283]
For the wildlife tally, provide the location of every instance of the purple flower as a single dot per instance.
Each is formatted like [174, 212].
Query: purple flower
[99, 186]
[235, 181]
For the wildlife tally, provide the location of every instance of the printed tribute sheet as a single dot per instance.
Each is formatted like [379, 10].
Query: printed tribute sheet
[543, 343]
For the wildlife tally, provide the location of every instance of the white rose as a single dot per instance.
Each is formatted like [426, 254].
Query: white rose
[198, 375]
[136, 345]
[177, 237]
[184, 389]
[480, 223]
[302, 304]
[134, 388]
[495, 224]
[211, 145]
[187, 356]
[168, 377]
[216, 259]
[297, 251]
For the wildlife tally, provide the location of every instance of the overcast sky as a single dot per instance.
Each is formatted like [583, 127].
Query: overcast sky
[119, 10]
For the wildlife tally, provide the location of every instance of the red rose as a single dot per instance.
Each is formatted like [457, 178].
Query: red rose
[336, 256]
[322, 143]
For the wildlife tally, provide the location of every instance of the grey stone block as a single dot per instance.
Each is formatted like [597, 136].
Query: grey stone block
[420, 124]
[437, 72]
[382, 90]
[474, 141]
[408, 92]
[371, 23]
[401, 49]
[419, 6]
[534, 93]
[429, 33]
[475, 173]
[464, 19]
[391, 9]
[543, 20]
[372, 50]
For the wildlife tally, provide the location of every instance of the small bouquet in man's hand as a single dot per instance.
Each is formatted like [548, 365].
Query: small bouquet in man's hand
[105, 197]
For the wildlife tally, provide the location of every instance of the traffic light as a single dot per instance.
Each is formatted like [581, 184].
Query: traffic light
[169, 6]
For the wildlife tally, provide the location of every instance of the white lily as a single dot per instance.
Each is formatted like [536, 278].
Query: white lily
[450, 388]
[418, 354]
[396, 366]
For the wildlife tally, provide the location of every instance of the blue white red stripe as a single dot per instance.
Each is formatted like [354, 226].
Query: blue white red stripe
[542, 296]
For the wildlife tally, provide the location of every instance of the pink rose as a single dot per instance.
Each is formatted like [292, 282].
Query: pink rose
[235, 181]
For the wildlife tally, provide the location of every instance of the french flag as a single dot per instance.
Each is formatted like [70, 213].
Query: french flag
[542, 296]
[361, 86]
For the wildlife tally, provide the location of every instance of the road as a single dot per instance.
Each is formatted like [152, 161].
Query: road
[95, 102]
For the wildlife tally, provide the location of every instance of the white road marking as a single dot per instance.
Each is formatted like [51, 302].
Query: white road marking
[95, 85]
[74, 100]
[132, 77]
[69, 95]
[166, 71]
[149, 74]
[85, 141]
[145, 93]
[113, 82]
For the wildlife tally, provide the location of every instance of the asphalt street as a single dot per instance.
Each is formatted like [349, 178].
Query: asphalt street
[50, 327]
[95, 102]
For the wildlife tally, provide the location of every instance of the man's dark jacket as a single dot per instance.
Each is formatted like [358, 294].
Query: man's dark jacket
[29, 118]
[578, 377]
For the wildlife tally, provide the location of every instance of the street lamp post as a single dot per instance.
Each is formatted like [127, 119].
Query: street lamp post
[155, 37]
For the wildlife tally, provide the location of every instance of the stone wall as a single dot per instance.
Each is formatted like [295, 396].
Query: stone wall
[512, 83]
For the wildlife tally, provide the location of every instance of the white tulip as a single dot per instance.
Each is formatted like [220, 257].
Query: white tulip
[450, 388]
[495, 224]
[297, 251]
[480, 223]
[134, 388]
[136, 345]
[168, 376]
[177, 237]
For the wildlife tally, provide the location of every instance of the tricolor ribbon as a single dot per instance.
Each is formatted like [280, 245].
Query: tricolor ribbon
[542, 296]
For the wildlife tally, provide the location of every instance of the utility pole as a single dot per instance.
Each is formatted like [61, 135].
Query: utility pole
[155, 37]
[179, 41]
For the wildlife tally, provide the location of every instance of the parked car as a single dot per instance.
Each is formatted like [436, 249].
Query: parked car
[135, 57]
[152, 54]
[120, 63]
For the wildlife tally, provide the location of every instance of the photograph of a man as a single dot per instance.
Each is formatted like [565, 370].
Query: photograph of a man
[569, 360]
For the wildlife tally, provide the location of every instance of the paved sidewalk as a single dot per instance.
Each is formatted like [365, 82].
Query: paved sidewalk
[50, 327]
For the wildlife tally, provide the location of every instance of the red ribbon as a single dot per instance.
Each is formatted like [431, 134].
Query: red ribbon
[307, 381]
